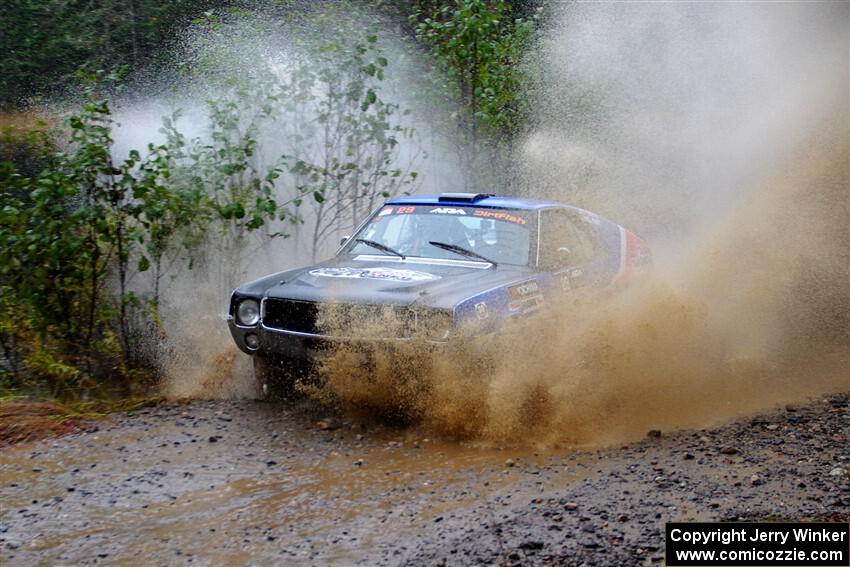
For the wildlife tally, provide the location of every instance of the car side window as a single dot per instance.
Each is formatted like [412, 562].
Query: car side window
[566, 240]
[591, 243]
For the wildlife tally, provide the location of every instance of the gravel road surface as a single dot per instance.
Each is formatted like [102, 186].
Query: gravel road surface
[238, 483]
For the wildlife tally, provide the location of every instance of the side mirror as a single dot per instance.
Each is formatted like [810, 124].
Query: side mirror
[344, 239]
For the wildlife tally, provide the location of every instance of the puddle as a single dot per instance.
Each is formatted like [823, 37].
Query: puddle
[271, 486]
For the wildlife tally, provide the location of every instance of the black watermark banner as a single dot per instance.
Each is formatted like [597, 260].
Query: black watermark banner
[741, 544]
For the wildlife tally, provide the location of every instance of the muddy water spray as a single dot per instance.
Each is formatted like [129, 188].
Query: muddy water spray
[716, 131]
[721, 134]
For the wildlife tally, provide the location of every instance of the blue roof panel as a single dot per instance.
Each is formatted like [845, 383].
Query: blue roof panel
[497, 202]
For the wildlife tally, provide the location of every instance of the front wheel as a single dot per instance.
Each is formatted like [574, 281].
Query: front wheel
[273, 379]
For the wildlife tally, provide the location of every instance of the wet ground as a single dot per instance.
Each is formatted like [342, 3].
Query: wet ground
[235, 483]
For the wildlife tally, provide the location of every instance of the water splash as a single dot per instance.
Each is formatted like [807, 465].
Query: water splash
[721, 135]
[716, 132]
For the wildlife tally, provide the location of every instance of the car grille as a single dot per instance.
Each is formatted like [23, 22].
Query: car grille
[298, 316]
[339, 319]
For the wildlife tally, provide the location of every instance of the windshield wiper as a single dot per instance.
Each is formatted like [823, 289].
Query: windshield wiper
[381, 247]
[462, 251]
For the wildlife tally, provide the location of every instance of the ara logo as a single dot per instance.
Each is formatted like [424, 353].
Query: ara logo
[447, 211]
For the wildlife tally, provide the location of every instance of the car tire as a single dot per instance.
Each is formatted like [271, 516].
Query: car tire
[273, 379]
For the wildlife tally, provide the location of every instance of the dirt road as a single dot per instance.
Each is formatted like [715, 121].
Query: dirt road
[234, 483]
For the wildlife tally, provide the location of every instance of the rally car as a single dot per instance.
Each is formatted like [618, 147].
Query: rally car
[436, 264]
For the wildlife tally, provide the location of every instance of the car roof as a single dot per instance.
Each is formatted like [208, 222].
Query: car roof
[473, 200]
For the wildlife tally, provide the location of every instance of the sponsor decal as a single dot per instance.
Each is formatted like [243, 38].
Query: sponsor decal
[499, 215]
[389, 274]
[481, 310]
[405, 210]
[447, 211]
[526, 305]
[384, 212]
[525, 297]
[524, 289]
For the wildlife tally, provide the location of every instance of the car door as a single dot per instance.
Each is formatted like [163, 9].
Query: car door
[570, 250]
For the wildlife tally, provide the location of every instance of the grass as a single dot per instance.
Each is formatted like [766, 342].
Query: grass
[23, 419]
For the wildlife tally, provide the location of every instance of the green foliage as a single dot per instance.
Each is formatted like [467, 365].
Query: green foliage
[28, 148]
[477, 47]
[60, 231]
[45, 42]
[323, 101]
[84, 221]
[346, 134]
[78, 224]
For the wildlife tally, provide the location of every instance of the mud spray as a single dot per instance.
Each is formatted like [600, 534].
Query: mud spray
[717, 131]
[755, 316]
[722, 136]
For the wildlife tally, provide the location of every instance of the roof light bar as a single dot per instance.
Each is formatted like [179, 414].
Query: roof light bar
[463, 197]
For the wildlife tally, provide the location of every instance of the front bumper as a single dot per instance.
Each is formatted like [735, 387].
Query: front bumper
[295, 345]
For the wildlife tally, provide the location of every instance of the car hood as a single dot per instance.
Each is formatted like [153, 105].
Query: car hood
[375, 280]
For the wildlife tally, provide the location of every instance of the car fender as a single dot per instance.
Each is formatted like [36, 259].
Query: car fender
[487, 311]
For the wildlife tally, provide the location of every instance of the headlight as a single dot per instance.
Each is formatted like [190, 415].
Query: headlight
[436, 325]
[248, 312]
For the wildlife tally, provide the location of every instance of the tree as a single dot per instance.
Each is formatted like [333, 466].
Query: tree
[45, 42]
[477, 46]
[86, 220]
[350, 159]
[81, 228]
[323, 104]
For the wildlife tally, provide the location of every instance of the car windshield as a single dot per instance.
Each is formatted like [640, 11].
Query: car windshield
[500, 235]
